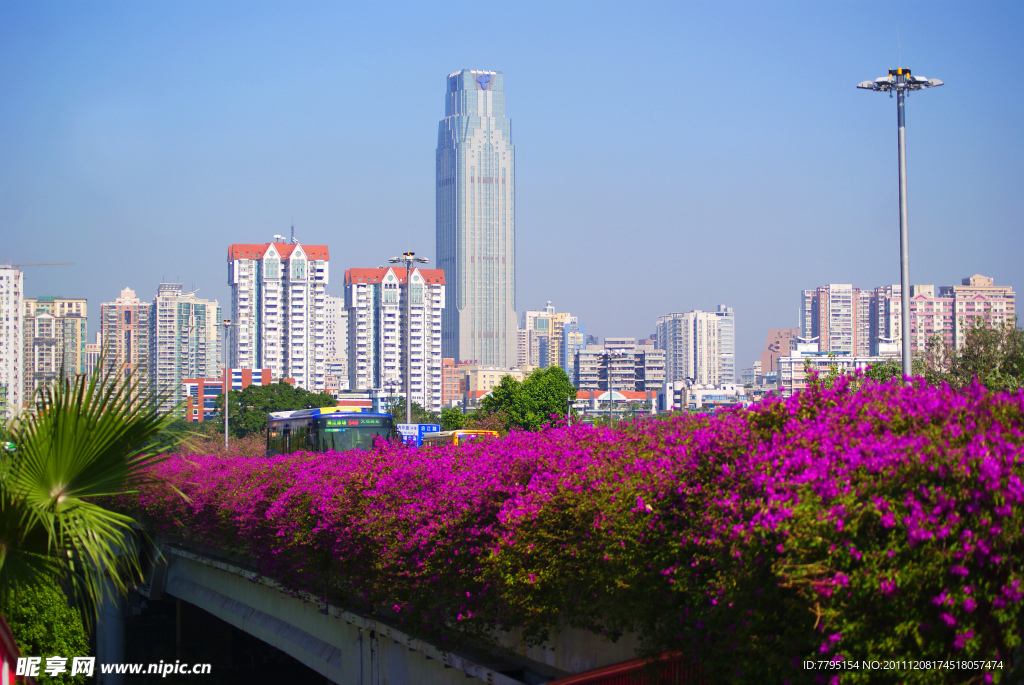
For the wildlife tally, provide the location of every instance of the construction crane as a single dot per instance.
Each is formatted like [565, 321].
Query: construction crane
[21, 264]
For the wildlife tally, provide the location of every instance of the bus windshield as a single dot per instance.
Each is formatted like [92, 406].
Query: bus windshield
[349, 432]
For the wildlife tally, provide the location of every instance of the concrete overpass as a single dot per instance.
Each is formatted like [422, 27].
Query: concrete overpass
[349, 648]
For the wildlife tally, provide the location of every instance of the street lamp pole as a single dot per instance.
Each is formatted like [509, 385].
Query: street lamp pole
[409, 258]
[901, 81]
[227, 382]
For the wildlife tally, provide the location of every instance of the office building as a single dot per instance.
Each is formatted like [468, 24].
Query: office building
[185, 341]
[475, 204]
[279, 309]
[375, 299]
[699, 346]
[125, 329]
[55, 330]
[12, 289]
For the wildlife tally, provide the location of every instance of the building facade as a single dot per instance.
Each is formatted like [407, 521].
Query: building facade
[125, 330]
[621, 365]
[279, 310]
[200, 394]
[12, 289]
[185, 341]
[451, 386]
[375, 299]
[475, 208]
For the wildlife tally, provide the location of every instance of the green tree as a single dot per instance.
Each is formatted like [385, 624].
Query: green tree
[993, 355]
[43, 624]
[452, 419]
[248, 409]
[549, 391]
[530, 405]
[87, 438]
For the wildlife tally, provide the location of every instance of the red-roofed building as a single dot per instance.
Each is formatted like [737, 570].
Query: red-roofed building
[278, 310]
[376, 332]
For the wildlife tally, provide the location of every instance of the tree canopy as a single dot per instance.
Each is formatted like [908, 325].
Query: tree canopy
[248, 409]
[530, 405]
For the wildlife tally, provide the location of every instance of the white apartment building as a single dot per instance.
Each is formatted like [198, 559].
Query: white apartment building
[279, 310]
[185, 338]
[376, 332]
[55, 330]
[699, 346]
[12, 289]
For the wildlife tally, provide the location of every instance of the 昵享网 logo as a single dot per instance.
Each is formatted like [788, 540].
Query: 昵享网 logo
[483, 80]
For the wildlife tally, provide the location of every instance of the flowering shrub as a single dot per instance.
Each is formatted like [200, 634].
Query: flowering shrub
[875, 521]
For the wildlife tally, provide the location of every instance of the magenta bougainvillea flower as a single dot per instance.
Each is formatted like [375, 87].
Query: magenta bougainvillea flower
[868, 521]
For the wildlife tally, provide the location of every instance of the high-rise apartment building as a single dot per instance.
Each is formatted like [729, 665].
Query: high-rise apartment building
[726, 344]
[476, 219]
[279, 310]
[125, 329]
[848, 320]
[375, 299]
[185, 341]
[699, 346]
[55, 331]
[12, 289]
[839, 315]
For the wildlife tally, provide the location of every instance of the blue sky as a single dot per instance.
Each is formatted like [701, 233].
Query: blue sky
[669, 156]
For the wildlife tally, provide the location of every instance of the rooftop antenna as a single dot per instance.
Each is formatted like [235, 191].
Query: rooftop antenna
[293, 234]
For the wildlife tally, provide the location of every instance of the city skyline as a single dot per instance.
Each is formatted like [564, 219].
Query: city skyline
[126, 155]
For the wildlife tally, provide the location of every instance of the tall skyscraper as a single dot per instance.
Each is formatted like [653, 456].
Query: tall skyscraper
[12, 290]
[476, 220]
[185, 336]
[279, 310]
[55, 337]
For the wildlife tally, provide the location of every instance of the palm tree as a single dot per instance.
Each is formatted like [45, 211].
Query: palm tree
[86, 438]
